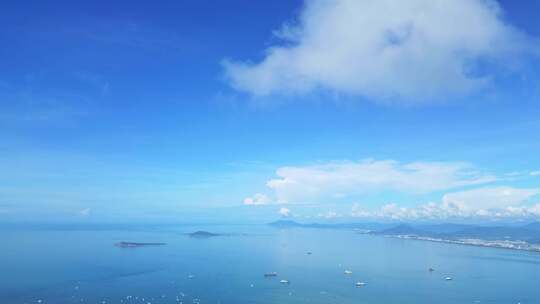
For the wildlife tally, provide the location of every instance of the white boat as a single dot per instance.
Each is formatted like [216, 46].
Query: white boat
[347, 272]
[448, 278]
[360, 284]
[284, 281]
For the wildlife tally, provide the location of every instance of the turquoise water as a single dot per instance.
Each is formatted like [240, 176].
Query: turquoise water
[83, 266]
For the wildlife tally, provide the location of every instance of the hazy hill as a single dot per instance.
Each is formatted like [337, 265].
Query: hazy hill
[528, 232]
[363, 226]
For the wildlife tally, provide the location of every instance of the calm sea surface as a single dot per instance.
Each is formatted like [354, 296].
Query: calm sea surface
[83, 266]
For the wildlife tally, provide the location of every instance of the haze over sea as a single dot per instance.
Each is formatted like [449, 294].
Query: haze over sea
[80, 264]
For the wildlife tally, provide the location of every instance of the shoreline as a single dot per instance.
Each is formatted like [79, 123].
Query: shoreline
[498, 244]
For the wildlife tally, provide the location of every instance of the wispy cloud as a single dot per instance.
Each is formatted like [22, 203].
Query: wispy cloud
[329, 215]
[419, 50]
[257, 199]
[489, 198]
[36, 109]
[85, 212]
[285, 212]
[36, 100]
[330, 181]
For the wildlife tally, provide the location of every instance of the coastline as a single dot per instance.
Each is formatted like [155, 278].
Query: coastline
[500, 244]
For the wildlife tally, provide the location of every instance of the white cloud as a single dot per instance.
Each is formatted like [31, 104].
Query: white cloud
[534, 173]
[338, 179]
[489, 198]
[494, 202]
[415, 49]
[513, 174]
[85, 211]
[257, 199]
[329, 215]
[335, 183]
[285, 212]
[357, 211]
[520, 211]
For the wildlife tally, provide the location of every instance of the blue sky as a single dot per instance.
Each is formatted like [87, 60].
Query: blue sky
[251, 111]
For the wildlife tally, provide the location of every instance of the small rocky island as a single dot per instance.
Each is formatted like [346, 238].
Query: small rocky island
[202, 234]
[136, 244]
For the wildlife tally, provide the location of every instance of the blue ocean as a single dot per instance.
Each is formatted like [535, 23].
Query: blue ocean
[82, 265]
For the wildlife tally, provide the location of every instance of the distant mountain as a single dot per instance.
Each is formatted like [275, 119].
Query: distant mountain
[528, 233]
[444, 228]
[402, 229]
[285, 224]
[364, 226]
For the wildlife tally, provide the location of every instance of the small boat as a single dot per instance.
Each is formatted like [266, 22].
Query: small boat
[308, 253]
[347, 272]
[270, 274]
[431, 269]
[360, 284]
[191, 276]
[284, 281]
[448, 279]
